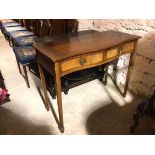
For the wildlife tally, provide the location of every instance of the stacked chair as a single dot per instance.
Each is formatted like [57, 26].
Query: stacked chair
[20, 39]
[7, 23]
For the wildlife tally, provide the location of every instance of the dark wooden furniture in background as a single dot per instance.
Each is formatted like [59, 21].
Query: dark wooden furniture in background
[49, 27]
[40, 28]
[74, 53]
[145, 110]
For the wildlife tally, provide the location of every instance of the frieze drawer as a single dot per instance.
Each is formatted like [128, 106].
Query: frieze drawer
[128, 47]
[81, 62]
[112, 53]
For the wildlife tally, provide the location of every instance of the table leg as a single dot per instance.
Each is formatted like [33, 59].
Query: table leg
[43, 85]
[129, 71]
[128, 75]
[106, 75]
[59, 96]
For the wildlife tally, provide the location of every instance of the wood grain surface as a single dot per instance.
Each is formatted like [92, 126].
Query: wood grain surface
[75, 45]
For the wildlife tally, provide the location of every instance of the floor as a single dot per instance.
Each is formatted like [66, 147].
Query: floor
[91, 108]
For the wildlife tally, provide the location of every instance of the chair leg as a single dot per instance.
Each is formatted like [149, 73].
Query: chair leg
[19, 67]
[26, 77]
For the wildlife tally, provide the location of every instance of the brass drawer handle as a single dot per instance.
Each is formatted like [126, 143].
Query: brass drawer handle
[82, 61]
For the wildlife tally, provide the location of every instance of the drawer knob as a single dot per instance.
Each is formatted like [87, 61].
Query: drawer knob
[120, 50]
[82, 61]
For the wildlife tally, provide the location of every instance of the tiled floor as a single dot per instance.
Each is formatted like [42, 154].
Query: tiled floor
[91, 108]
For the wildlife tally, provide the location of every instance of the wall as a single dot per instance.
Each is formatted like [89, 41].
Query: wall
[142, 79]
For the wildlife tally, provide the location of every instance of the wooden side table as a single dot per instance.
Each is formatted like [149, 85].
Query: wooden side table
[74, 53]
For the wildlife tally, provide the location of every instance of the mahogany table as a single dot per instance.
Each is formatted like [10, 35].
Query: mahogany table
[72, 53]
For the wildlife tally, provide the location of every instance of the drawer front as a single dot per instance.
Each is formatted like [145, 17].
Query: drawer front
[112, 53]
[81, 62]
[128, 47]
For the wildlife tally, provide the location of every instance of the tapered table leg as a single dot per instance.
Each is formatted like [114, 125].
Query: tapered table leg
[128, 76]
[129, 70]
[43, 85]
[59, 96]
[105, 75]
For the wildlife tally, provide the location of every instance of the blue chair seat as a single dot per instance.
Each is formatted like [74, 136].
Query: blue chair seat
[10, 24]
[16, 28]
[25, 55]
[24, 41]
[17, 34]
